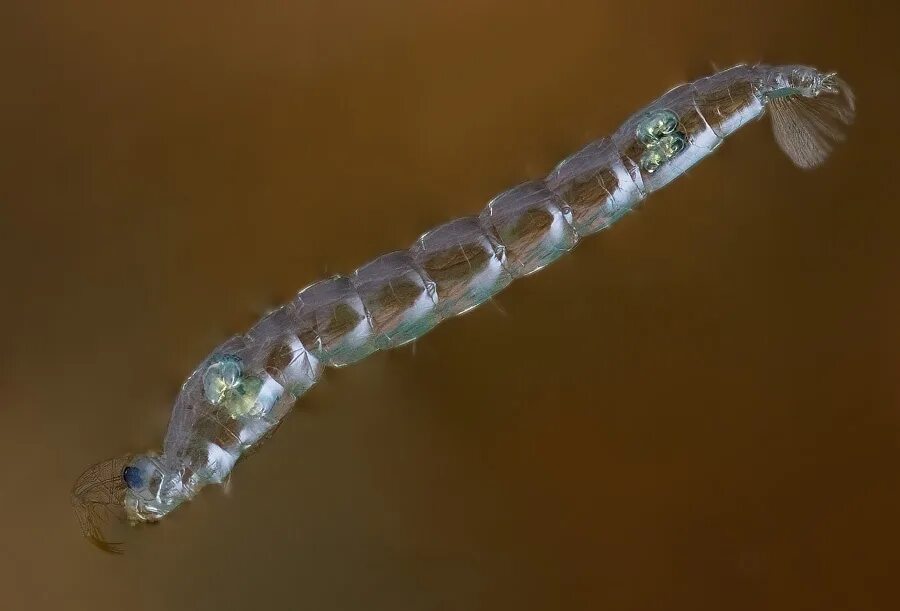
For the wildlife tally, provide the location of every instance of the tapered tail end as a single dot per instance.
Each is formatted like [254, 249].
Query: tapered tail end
[806, 126]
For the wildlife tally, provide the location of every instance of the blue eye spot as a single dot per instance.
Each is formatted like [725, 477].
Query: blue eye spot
[133, 478]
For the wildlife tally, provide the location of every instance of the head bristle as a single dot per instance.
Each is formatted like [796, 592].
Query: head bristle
[806, 128]
[99, 496]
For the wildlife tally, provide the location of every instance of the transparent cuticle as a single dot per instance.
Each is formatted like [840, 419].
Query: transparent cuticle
[221, 378]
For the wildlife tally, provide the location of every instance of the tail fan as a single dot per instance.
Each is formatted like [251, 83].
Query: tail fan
[806, 128]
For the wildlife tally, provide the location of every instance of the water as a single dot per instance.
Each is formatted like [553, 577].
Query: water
[695, 409]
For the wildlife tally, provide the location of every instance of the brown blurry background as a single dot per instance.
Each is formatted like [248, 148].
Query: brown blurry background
[696, 410]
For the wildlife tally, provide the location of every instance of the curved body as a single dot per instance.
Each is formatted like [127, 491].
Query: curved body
[243, 389]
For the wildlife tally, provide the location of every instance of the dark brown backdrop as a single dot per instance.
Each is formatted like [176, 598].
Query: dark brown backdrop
[696, 410]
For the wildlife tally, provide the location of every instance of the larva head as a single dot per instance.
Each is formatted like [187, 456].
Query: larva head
[809, 111]
[151, 489]
[126, 489]
[98, 499]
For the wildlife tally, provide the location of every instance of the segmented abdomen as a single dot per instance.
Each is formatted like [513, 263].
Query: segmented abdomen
[244, 388]
[728, 100]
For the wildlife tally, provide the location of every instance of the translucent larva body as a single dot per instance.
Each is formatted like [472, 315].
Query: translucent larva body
[243, 389]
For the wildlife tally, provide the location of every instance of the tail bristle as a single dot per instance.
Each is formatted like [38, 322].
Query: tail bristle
[806, 128]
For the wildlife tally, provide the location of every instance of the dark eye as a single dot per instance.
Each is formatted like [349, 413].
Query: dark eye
[133, 477]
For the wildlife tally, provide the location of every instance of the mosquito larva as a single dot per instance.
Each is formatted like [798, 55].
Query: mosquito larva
[243, 389]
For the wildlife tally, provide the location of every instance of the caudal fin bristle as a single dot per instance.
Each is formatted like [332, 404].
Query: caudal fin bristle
[806, 129]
